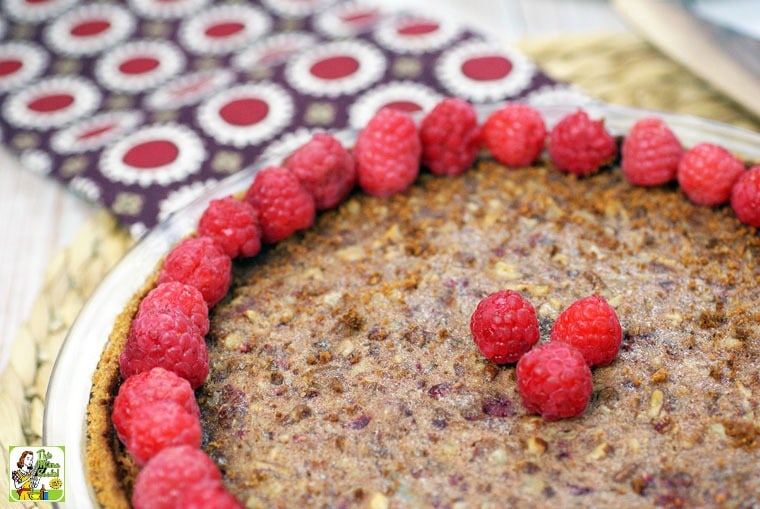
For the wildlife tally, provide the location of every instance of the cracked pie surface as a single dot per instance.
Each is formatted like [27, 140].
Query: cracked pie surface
[343, 373]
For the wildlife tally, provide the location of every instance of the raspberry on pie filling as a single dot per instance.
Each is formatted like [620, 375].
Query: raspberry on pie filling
[346, 346]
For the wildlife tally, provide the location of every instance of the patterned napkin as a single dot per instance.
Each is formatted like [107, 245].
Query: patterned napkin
[141, 105]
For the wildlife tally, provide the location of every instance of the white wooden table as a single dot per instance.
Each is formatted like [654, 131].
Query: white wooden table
[38, 217]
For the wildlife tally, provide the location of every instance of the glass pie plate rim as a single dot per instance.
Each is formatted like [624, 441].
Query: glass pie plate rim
[64, 420]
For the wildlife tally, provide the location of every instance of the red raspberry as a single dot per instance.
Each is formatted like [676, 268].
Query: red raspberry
[650, 153]
[160, 484]
[208, 494]
[591, 325]
[173, 294]
[387, 153]
[158, 425]
[449, 136]
[325, 168]
[580, 145]
[707, 173]
[146, 387]
[504, 326]
[233, 225]
[168, 339]
[284, 205]
[554, 380]
[515, 134]
[199, 262]
[745, 197]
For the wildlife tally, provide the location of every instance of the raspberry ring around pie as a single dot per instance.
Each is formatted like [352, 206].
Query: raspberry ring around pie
[118, 287]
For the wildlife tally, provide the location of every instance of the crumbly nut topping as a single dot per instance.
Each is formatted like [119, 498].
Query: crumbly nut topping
[374, 384]
[341, 373]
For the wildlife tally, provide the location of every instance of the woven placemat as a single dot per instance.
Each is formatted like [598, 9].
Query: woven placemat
[70, 279]
[616, 68]
[624, 69]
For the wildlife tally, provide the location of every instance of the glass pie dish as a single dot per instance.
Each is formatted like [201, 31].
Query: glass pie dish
[70, 382]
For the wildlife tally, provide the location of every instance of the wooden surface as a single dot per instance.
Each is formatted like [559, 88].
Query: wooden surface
[38, 217]
[672, 28]
[615, 67]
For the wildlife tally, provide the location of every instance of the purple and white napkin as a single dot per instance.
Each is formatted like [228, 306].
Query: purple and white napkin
[141, 105]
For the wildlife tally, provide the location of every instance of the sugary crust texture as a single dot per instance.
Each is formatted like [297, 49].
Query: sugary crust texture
[110, 470]
[343, 373]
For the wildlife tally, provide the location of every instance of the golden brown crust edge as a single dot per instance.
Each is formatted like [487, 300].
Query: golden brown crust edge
[109, 473]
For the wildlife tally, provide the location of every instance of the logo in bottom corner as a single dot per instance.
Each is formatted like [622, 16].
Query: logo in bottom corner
[37, 473]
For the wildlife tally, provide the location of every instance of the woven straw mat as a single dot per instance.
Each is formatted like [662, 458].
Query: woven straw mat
[617, 68]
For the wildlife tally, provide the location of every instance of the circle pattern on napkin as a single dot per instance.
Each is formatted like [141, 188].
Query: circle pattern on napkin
[140, 104]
